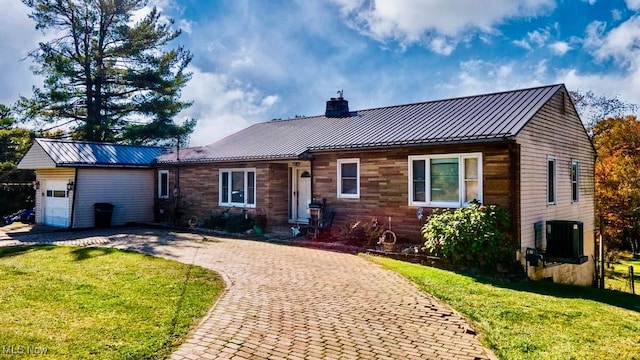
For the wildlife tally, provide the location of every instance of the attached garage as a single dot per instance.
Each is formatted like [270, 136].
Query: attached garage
[72, 176]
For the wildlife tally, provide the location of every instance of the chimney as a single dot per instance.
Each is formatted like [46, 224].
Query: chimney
[337, 107]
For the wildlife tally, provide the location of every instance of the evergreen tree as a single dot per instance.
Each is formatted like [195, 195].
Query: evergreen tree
[108, 77]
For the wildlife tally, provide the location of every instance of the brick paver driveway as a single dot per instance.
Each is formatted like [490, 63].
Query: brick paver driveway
[285, 302]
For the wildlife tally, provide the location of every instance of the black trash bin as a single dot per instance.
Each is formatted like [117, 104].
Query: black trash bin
[103, 213]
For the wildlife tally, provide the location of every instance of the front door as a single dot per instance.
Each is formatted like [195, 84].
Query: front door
[56, 204]
[301, 194]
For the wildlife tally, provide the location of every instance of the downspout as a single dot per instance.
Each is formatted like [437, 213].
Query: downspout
[73, 202]
[514, 155]
[176, 186]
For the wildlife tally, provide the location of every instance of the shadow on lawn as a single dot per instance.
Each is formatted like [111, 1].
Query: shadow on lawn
[83, 253]
[19, 250]
[611, 297]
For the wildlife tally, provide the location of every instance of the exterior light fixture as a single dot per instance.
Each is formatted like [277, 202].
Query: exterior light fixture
[70, 185]
[36, 185]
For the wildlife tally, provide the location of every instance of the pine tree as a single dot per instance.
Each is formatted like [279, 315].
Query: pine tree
[108, 77]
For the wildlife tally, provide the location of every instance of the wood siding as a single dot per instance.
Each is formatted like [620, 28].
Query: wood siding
[384, 189]
[557, 131]
[130, 190]
[44, 175]
[36, 158]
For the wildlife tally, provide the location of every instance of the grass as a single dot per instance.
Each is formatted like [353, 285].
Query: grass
[80, 303]
[536, 320]
[617, 276]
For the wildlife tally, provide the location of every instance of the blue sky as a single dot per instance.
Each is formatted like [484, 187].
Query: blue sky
[255, 60]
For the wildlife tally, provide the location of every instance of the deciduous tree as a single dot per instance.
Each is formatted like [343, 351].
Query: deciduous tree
[108, 76]
[617, 190]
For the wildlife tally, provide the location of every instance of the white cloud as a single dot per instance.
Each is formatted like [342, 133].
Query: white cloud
[591, 2]
[222, 105]
[560, 47]
[480, 76]
[410, 21]
[633, 4]
[616, 15]
[619, 44]
[442, 46]
[523, 43]
[535, 39]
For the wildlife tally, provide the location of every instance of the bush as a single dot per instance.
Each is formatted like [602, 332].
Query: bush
[363, 233]
[475, 236]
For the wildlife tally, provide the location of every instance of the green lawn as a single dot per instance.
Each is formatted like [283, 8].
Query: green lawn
[536, 320]
[617, 276]
[82, 302]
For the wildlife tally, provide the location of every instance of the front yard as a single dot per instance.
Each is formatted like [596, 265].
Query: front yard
[536, 320]
[83, 302]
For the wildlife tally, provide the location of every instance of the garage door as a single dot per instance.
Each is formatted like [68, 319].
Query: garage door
[56, 204]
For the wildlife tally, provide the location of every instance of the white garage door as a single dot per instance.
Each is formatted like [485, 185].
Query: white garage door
[56, 204]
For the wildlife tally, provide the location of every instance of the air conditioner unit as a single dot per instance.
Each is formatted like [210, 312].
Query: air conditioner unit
[564, 239]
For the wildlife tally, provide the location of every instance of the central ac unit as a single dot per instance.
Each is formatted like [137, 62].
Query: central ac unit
[564, 239]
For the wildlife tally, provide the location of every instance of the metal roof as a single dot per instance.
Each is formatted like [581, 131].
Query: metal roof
[79, 153]
[481, 118]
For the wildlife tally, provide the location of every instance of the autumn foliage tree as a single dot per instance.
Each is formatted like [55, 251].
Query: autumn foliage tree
[617, 176]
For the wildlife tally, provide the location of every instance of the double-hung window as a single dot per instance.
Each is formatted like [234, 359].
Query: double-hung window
[575, 176]
[163, 184]
[237, 187]
[349, 178]
[551, 180]
[451, 180]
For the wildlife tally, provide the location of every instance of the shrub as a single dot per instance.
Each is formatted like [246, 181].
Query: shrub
[364, 233]
[477, 235]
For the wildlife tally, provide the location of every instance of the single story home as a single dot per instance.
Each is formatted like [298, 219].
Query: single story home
[525, 150]
[72, 176]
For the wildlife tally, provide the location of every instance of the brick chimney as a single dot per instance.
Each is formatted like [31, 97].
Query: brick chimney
[337, 107]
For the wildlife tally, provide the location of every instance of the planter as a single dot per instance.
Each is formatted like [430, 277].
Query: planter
[259, 224]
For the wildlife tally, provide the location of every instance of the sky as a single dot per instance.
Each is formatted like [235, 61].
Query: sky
[257, 60]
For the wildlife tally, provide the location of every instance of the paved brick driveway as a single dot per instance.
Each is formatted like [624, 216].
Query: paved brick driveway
[285, 302]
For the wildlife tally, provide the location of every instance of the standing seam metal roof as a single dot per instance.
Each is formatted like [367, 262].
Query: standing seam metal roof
[79, 153]
[487, 117]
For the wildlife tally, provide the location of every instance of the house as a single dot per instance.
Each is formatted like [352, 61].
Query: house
[525, 150]
[72, 176]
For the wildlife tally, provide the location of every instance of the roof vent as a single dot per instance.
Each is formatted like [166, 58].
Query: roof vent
[337, 107]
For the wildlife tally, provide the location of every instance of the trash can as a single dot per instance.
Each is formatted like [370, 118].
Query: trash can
[103, 213]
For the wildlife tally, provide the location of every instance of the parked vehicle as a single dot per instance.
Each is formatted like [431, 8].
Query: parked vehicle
[26, 216]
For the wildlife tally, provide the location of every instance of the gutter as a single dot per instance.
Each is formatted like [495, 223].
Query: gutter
[384, 146]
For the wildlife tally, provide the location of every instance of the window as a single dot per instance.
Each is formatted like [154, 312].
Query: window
[163, 184]
[575, 175]
[57, 193]
[349, 178]
[551, 181]
[445, 180]
[238, 187]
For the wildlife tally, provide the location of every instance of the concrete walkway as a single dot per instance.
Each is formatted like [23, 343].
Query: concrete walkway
[285, 302]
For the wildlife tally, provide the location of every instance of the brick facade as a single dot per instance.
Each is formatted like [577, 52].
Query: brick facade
[199, 190]
[383, 186]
